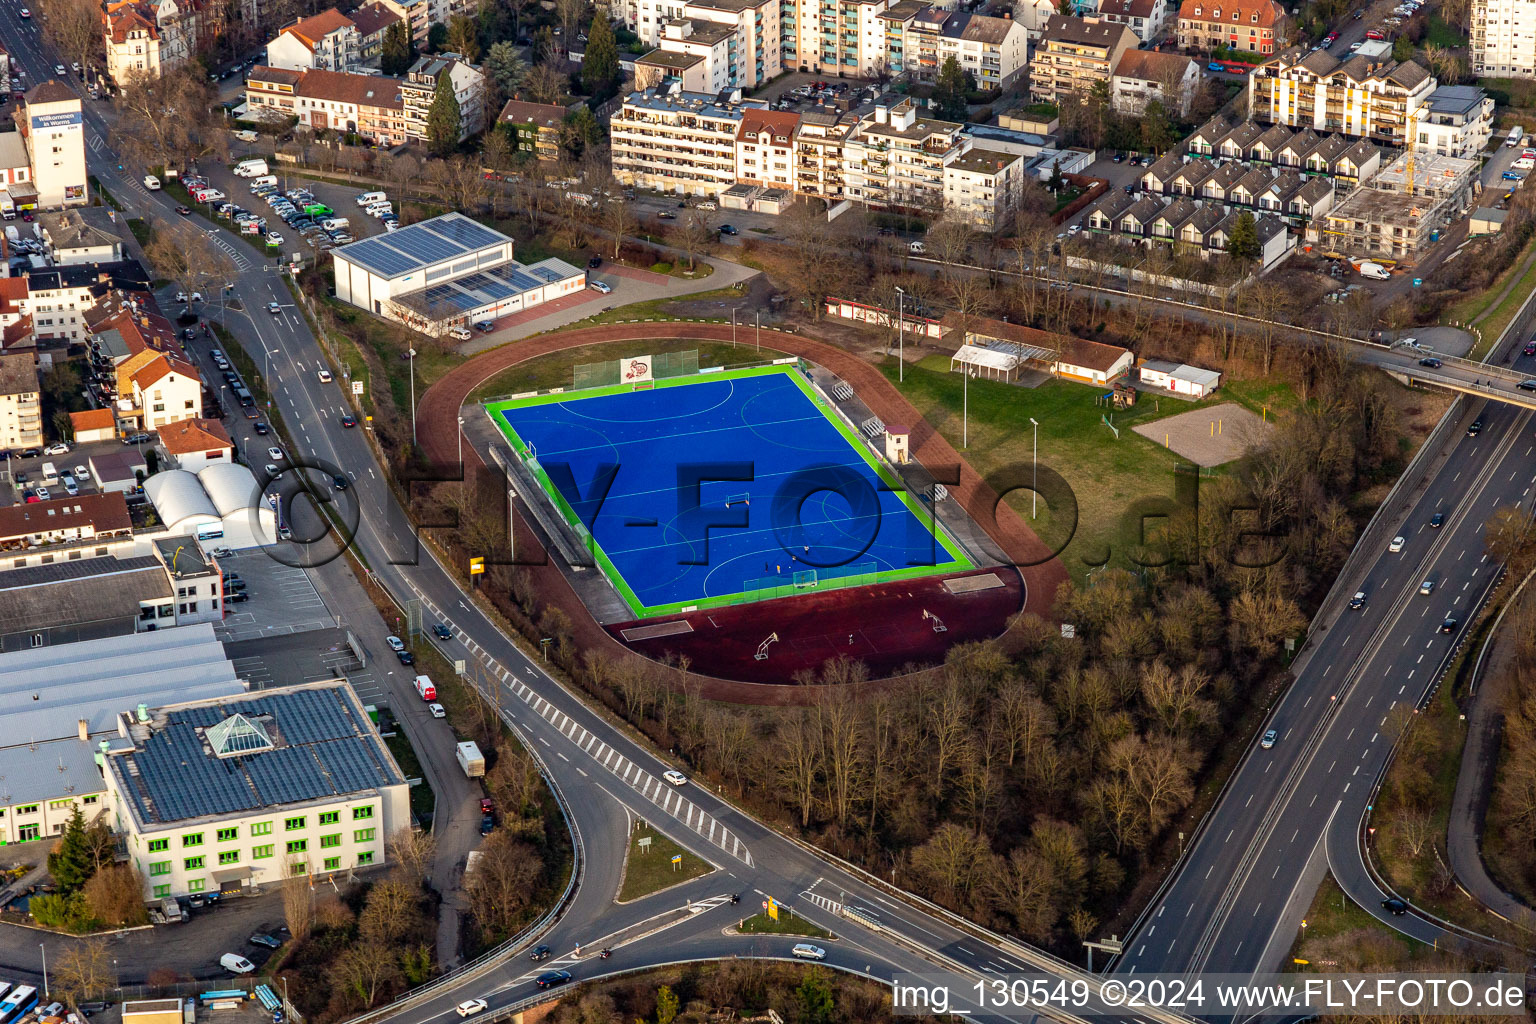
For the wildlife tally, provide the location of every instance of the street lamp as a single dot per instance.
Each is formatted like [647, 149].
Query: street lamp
[759, 330]
[901, 333]
[733, 326]
[1034, 485]
[411, 354]
[965, 408]
[45, 967]
[461, 441]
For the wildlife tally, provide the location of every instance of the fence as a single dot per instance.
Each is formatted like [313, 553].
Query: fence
[765, 587]
[613, 371]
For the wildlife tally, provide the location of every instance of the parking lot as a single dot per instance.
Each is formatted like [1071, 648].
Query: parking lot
[21, 477]
[282, 599]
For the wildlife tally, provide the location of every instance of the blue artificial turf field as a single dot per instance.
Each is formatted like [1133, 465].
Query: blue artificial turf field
[664, 533]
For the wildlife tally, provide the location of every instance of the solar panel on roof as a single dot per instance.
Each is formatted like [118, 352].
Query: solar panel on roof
[525, 282]
[466, 232]
[374, 256]
[425, 246]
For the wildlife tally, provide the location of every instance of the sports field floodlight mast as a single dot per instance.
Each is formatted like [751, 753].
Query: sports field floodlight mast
[901, 333]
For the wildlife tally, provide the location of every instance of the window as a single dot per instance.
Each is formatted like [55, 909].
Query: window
[192, 839]
[293, 824]
[298, 845]
[54, 805]
[261, 828]
[162, 891]
[160, 867]
[333, 863]
[359, 813]
[261, 852]
[159, 845]
[228, 835]
[192, 864]
[196, 885]
[27, 809]
[330, 817]
[363, 835]
[365, 858]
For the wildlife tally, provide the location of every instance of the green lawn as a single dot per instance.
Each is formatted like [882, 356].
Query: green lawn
[788, 924]
[1106, 475]
[1331, 914]
[423, 800]
[651, 870]
[1441, 33]
[554, 370]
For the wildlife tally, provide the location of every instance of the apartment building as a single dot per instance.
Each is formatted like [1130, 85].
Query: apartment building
[1402, 207]
[420, 15]
[328, 40]
[153, 36]
[535, 127]
[836, 37]
[1503, 38]
[662, 68]
[819, 153]
[1075, 53]
[677, 141]
[52, 125]
[217, 795]
[1147, 18]
[897, 158]
[419, 87]
[1363, 96]
[741, 39]
[370, 105]
[765, 148]
[1145, 75]
[912, 31]
[982, 187]
[1256, 26]
[1456, 120]
[21, 410]
[994, 50]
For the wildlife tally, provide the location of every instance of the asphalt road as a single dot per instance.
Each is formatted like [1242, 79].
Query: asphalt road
[1240, 892]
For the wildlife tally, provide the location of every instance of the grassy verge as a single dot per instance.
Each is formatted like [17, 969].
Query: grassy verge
[1477, 305]
[1440, 33]
[788, 924]
[651, 869]
[657, 309]
[390, 342]
[554, 370]
[1333, 918]
[142, 232]
[1497, 320]
[423, 800]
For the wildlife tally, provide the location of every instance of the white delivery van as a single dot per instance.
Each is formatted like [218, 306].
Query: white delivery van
[1525, 163]
[50, 474]
[263, 179]
[916, 248]
[366, 199]
[250, 168]
[333, 223]
[1374, 271]
[151, 182]
[246, 136]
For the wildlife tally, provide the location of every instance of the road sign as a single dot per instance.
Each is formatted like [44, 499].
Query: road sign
[1068, 631]
[477, 566]
[357, 387]
[458, 667]
[773, 908]
[644, 843]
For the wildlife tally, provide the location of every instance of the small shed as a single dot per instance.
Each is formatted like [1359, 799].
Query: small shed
[1487, 221]
[1180, 378]
[152, 1011]
[93, 425]
[897, 444]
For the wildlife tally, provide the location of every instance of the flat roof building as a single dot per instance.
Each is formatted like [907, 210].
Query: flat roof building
[214, 795]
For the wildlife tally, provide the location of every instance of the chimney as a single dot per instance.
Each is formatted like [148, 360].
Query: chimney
[85, 730]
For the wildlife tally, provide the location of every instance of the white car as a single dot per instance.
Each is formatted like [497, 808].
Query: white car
[436, 711]
[806, 951]
[469, 1006]
[395, 643]
[57, 449]
[59, 70]
[325, 376]
[236, 964]
[273, 238]
[275, 454]
[601, 287]
[274, 309]
[676, 778]
[81, 473]
[1396, 545]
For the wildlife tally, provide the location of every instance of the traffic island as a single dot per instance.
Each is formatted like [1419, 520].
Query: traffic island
[652, 862]
[788, 923]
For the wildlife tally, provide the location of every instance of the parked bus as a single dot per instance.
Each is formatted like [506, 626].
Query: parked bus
[17, 1003]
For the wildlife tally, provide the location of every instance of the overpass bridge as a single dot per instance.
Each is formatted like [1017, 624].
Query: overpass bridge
[1406, 362]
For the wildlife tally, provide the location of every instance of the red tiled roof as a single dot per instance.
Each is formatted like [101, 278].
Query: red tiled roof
[1150, 65]
[371, 19]
[122, 18]
[344, 87]
[782, 123]
[186, 436]
[522, 112]
[92, 419]
[1233, 12]
[108, 513]
[312, 29]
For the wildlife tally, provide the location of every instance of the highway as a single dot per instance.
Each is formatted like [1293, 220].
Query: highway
[1244, 884]
[605, 779]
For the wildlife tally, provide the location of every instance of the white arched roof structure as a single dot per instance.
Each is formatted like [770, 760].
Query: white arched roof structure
[180, 501]
[248, 520]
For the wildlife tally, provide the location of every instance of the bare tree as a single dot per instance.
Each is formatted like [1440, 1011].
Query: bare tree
[115, 894]
[363, 970]
[1415, 828]
[298, 902]
[168, 120]
[503, 883]
[619, 219]
[84, 970]
[412, 853]
[73, 28]
[391, 912]
[692, 234]
[570, 13]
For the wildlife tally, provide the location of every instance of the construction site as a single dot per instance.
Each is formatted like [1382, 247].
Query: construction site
[1402, 208]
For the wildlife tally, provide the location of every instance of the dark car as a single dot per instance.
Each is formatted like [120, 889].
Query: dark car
[1130, 190]
[183, 211]
[1431, 362]
[236, 597]
[349, 420]
[665, 215]
[265, 940]
[540, 953]
[550, 979]
[1119, 157]
[1530, 348]
[727, 229]
[442, 632]
[1475, 429]
[595, 262]
[1394, 906]
[261, 428]
[486, 824]
[340, 482]
[1358, 601]
[406, 657]
[1437, 520]
[1527, 385]
[1449, 625]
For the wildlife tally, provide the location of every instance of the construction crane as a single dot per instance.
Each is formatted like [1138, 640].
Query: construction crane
[1411, 138]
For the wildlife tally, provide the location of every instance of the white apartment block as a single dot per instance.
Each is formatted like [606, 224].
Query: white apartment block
[328, 41]
[982, 187]
[1364, 97]
[897, 159]
[765, 149]
[677, 141]
[223, 794]
[419, 88]
[54, 131]
[1456, 120]
[1504, 38]
[994, 50]
[709, 45]
[740, 38]
[420, 15]
[21, 411]
[836, 37]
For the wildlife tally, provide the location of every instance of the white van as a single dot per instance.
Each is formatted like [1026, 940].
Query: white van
[333, 223]
[378, 209]
[250, 168]
[917, 248]
[1374, 271]
[366, 199]
[263, 179]
[246, 135]
[236, 964]
[50, 474]
[151, 182]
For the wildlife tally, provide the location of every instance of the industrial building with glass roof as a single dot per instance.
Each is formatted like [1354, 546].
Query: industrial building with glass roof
[444, 272]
